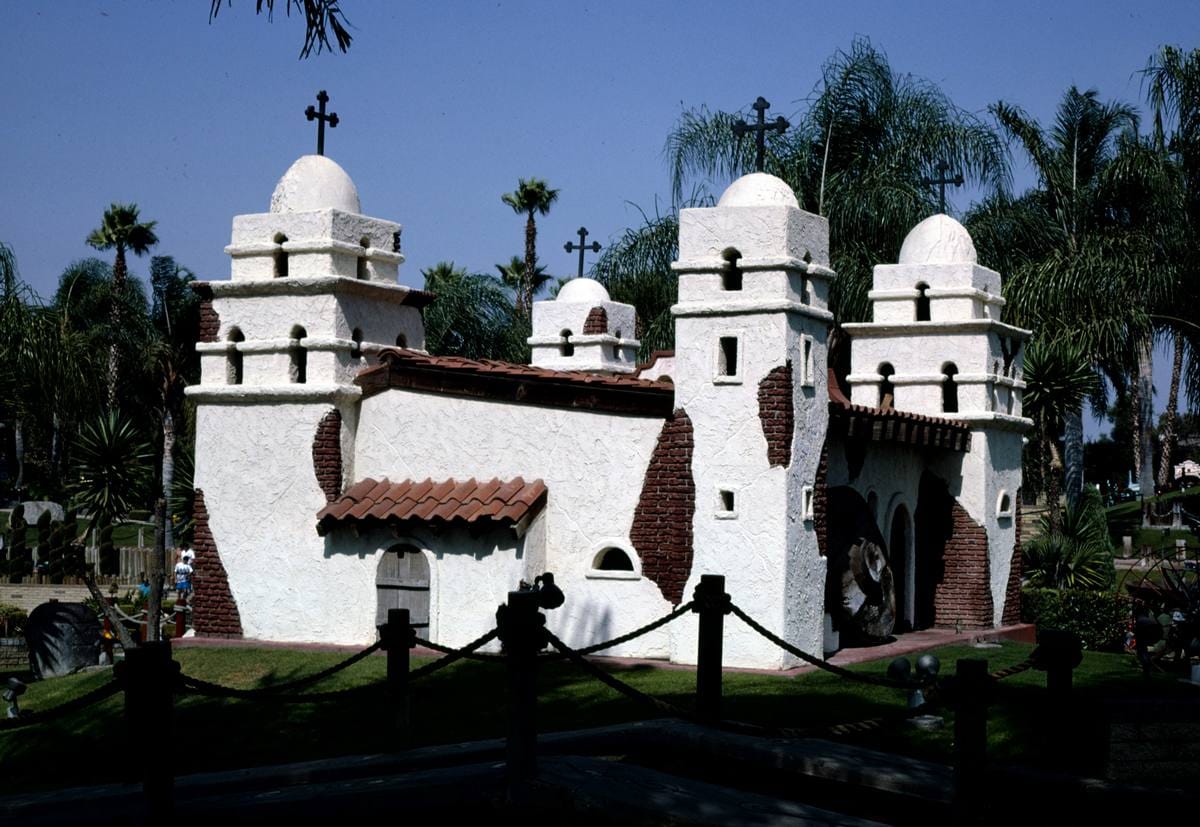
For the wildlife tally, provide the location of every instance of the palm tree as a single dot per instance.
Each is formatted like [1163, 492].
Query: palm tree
[472, 316]
[1058, 377]
[513, 276]
[859, 156]
[121, 230]
[1172, 79]
[320, 18]
[1085, 273]
[532, 197]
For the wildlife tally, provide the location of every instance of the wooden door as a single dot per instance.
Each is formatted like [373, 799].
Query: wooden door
[402, 582]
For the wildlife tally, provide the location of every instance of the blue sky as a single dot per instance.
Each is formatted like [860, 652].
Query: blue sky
[444, 105]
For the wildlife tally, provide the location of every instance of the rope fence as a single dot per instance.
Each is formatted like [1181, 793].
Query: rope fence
[150, 679]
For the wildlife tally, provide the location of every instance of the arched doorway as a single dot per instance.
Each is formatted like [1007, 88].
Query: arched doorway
[901, 563]
[402, 582]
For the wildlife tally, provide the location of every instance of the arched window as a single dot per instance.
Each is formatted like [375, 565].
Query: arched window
[731, 276]
[281, 257]
[362, 259]
[949, 388]
[567, 348]
[887, 390]
[356, 348]
[612, 559]
[616, 349]
[298, 356]
[922, 302]
[233, 358]
[401, 340]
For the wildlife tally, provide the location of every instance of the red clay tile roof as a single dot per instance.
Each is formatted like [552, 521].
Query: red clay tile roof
[506, 381]
[654, 357]
[890, 425]
[445, 501]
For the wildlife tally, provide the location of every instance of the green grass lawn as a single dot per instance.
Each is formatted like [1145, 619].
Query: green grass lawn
[467, 702]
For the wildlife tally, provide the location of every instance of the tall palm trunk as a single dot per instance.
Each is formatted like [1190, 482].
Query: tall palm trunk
[1073, 455]
[114, 359]
[1145, 383]
[1166, 437]
[1052, 469]
[525, 299]
[168, 472]
[19, 455]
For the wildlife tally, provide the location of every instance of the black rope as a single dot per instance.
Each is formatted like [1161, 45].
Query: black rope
[661, 706]
[625, 689]
[32, 718]
[208, 689]
[587, 650]
[453, 655]
[840, 671]
[288, 686]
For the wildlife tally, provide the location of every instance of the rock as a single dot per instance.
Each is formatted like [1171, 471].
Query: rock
[35, 509]
[63, 638]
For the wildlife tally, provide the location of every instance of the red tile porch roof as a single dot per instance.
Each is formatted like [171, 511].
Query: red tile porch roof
[862, 422]
[503, 501]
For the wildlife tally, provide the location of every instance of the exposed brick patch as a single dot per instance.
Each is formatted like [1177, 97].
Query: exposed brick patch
[662, 521]
[596, 323]
[214, 611]
[327, 455]
[776, 413]
[821, 501]
[1012, 593]
[210, 322]
[963, 597]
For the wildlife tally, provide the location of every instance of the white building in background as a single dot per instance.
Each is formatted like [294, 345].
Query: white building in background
[342, 470]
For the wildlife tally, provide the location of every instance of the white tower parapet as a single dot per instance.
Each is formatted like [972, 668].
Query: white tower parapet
[583, 329]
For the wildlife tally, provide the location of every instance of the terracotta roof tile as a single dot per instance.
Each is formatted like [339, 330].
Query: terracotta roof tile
[524, 384]
[891, 425]
[443, 501]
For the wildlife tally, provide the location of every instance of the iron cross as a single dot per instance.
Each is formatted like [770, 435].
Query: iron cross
[570, 247]
[321, 118]
[760, 130]
[941, 181]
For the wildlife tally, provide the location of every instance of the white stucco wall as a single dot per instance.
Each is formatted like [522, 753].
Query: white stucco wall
[593, 465]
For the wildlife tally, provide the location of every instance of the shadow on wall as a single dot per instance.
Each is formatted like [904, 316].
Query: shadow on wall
[860, 591]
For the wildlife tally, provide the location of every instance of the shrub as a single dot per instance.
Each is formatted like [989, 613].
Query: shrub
[1100, 618]
[12, 620]
[1077, 554]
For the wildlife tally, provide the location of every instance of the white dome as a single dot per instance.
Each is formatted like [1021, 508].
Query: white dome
[315, 182]
[758, 190]
[938, 239]
[582, 290]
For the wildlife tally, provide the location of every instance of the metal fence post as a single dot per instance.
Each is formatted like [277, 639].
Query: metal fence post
[522, 631]
[712, 604]
[148, 675]
[399, 637]
[970, 738]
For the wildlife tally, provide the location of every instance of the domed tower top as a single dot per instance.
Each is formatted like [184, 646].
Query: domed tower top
[315, 182]
[582, 328]
[939, 239]
[758, 189]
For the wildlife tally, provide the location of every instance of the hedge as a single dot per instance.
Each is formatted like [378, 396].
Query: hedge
[1100, 618]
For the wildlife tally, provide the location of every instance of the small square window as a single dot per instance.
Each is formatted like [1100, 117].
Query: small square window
[727, 356]
[807, 371]
[726, 504]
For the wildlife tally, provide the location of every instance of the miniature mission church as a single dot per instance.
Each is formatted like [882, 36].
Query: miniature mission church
[342, 470]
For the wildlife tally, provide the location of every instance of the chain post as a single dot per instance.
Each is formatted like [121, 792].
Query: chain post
[148, 676]
[970, 738]
[399, 637]
[522, 629]
[712, 604]
[109, 633]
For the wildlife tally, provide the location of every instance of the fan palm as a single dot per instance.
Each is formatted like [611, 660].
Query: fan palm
[472, 316]
[120, 230]
[531, 197]
[512, 275]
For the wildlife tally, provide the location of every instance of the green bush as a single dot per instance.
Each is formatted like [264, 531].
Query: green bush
[1100, 618]
[12, 620]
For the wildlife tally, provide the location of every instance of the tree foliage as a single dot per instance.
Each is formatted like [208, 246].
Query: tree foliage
[322, 18]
